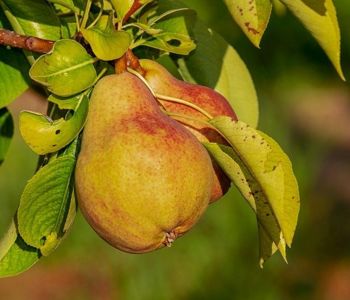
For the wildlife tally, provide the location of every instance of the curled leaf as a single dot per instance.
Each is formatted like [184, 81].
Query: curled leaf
[106, 42]
[175, 28]
[67, 70]
[44, 135]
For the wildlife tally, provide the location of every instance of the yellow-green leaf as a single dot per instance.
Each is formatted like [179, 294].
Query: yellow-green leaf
[236, 84]
[67, 70]
[15, 255]
[44, 135]
[253, 192]
[320, 18]
[46, 210]
[279, 8]
[252, 16]
[175, 25]
[70, 103]
[171, 42]
[274, 183]
[267, 247]
[106, 42]
[289, 207]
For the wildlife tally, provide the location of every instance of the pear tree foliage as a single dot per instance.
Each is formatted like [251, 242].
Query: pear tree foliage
[90, 39]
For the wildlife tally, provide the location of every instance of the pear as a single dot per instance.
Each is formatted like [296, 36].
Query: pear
[162, 82]
[141, 178]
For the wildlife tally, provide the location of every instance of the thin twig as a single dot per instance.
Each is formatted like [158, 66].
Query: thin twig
[31, 43]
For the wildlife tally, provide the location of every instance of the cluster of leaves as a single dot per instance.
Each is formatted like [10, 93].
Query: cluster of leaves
[319, 17]
[88, 36]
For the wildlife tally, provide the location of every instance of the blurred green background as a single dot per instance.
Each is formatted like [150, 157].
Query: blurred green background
[306, 108]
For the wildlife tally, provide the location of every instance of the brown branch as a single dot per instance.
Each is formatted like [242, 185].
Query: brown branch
[10, 38]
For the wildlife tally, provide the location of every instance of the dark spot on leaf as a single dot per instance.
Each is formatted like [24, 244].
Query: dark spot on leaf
[43, 240]
[174, 42]
[58, 131]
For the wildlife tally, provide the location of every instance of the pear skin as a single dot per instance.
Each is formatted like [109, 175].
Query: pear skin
[162, 82]
[141, 178]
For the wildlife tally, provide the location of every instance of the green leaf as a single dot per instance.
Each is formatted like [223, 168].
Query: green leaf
[44, 135]
[67, 70]
[175, 25]
[252, 16]
[13, 71]
[269, 167]
[46, 203]
[32, 17]
[288, 208]
[263, 174]
[146, 28]
[6, 132]
[171, 42]
[69, 27]
[14, 75]
[217, 65]
[69, 103]
[65, 6]
[8, 239]
[279, 8]
[252, 191]
[106, 42]
[320, 18]
[15, 255]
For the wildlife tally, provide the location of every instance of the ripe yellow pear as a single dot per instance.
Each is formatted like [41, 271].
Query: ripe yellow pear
[162, 82]
[141, 178]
